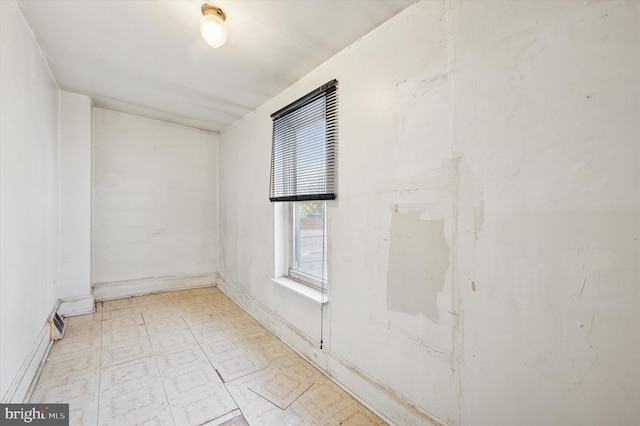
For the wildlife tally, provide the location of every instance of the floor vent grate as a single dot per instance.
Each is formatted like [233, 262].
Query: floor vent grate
[58, 326]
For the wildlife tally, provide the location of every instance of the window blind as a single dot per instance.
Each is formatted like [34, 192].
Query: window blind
[303, 156]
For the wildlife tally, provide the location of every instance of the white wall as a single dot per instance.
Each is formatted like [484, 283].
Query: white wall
[484, 249]
[75, 203]
[28, 198]
[546, 113]
[154, 200]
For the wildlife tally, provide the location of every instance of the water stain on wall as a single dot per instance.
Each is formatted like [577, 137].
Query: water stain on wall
[418, 263]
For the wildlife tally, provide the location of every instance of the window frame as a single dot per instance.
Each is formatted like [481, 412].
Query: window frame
[295, 274]
[303, 169]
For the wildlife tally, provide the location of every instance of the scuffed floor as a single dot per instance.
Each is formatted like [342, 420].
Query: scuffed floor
[186, 357]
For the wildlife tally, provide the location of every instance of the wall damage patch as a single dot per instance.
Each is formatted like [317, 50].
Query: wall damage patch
[418, 263]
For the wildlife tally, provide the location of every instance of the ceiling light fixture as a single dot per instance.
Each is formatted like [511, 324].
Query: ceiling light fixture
[212, 25]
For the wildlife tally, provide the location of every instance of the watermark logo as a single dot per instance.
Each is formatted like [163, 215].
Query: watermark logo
[34, 414]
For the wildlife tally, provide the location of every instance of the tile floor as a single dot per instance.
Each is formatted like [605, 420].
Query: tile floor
[186, 357]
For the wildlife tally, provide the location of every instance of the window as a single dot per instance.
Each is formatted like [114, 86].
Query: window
[303, 157]
[308, 261]
[303, 166]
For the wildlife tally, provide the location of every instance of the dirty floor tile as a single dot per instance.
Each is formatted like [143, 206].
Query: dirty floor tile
[187, 357]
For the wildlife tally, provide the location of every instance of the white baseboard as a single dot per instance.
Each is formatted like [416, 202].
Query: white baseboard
[119, 289]
[77, 306]
[382, 400]
[20, 389]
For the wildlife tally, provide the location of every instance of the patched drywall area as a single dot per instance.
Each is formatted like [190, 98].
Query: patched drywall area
[418, 263]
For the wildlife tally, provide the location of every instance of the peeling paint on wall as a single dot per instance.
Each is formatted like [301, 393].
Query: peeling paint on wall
[418, 263]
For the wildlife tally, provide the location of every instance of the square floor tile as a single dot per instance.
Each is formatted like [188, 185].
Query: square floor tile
[122, 336]
[72, 345]
[162, 327]
[87, 328]
[128, 373]
[238, 420]
[121, 313]
[113, 325]
[325, 399]
[355, 414]
[139, 403]
[85, 413]
[174, 339]
[283, 384]
[223, 346]
[202, 320]
[196, 394]
[71, 389]
[235, 364]
[111, 305]
[152, 298]
[158, 305]
[72, 363]
[128, 351]
[267, 415]
[195, 310]
[272, 351]
[160, 315]
[179, 359]
[213, 335]
[82, 320]
[245, 397]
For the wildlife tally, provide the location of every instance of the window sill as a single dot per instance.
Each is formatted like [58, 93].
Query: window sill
[305, 291]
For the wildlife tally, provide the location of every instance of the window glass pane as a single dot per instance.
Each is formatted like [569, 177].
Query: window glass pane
[311, 158]
[310, 252]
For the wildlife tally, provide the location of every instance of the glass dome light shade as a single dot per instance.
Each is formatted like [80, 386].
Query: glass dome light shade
[213, 30]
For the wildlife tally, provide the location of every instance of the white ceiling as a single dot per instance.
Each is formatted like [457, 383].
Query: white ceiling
[147, 57]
